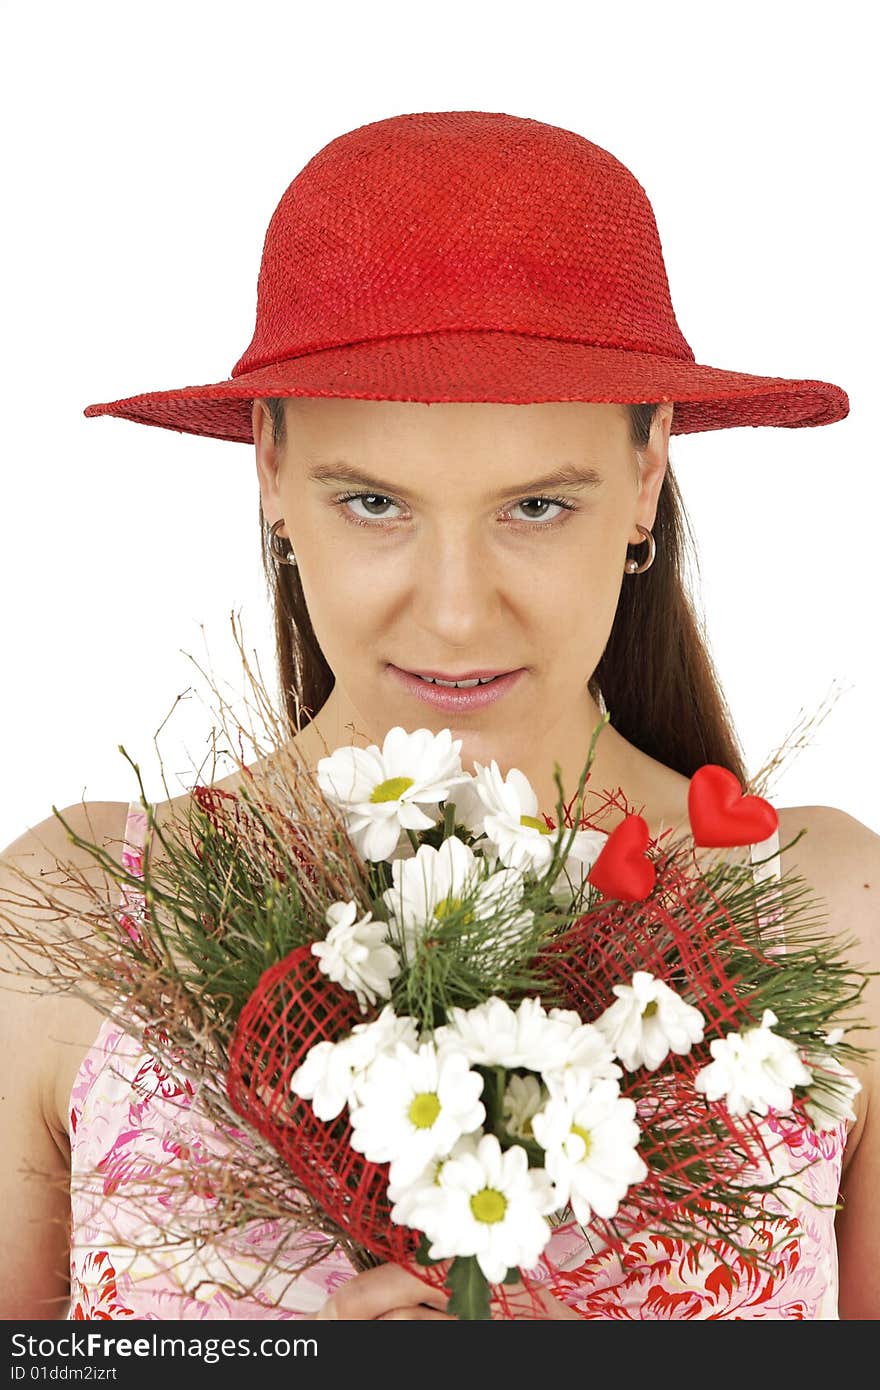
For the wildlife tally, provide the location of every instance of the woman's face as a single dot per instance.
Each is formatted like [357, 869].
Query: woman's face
[450, 556]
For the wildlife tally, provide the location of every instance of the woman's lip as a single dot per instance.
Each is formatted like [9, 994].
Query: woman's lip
[469, 676]
[456, 701]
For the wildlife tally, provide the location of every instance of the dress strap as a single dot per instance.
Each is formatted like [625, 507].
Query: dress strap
[134, 837]
[132, 903]
[767, 865]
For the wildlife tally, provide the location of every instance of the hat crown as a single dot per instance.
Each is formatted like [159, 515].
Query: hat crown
[462, 220]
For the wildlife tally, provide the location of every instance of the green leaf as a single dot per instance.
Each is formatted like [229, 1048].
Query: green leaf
[494, 1083]
[422, 1253]
[512, 1276]
[533, 1149]
[469, 1288]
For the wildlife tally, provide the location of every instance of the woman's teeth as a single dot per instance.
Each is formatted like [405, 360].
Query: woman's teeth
[457, 685]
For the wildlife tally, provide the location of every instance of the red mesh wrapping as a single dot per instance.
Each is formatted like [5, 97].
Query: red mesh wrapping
[294, 1007]
[681, 933]
[607, 947]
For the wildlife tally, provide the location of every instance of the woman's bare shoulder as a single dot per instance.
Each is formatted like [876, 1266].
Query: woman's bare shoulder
[41, 869]
[45, 866]
[839, 857]
[42, 874]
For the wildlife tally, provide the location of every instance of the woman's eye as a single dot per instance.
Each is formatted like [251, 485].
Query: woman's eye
[376, 504]
[368, 498]
[545, 502]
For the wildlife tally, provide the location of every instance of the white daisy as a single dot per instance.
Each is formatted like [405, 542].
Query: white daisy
[424, 1189]
[326, 1078]
[367, 1041]
[413, 1106]
[588, 1052]
[510, 819]
[421, 1188]
[355, 954]
[381, 790]
[435, 882]
[493, 1034]
[505, 810]
[585, 849]
[331, 1071]
[470, 809]
[648, 1021]
[589, 1134]
[753, 1070]
[498, 898]
[492, 1205]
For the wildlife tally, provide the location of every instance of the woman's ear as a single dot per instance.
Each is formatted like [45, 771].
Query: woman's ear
[268, 459]
[653, 460]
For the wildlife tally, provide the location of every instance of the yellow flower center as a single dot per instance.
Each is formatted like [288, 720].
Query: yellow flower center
[585, 1135]
[650, 1009]
[391, 790]
[489, 1205]
[536, 824]
[424, 1109]
[449, 905]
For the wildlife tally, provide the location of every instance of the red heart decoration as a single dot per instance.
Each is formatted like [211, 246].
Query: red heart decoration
[621, 869]
[719, 813]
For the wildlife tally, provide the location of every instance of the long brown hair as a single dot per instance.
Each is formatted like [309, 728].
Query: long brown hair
[655, 676]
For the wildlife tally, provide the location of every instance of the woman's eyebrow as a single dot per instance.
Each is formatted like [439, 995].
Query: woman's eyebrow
[567, 476]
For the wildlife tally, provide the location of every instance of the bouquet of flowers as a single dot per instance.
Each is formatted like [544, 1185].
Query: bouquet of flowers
[545, 1032]
[451, 1025]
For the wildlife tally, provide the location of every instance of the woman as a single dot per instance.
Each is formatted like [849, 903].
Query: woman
[461, 388]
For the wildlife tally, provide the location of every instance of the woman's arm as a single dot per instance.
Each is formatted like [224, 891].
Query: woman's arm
[840, 860]
[851, 861]
[34, 1155]
[34, 1174]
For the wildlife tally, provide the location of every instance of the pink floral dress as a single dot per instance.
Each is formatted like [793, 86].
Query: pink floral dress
[130, 1120]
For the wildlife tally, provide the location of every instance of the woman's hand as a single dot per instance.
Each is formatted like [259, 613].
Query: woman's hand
[387, 1292]
[390, 1292]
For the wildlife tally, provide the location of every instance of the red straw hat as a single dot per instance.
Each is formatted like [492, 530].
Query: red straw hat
[471, 256]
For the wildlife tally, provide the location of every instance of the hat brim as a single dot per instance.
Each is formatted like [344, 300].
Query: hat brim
[490, 366]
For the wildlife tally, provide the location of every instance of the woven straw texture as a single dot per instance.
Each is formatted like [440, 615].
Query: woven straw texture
[471, 256]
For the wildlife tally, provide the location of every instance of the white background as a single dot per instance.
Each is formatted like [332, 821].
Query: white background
[144, 150]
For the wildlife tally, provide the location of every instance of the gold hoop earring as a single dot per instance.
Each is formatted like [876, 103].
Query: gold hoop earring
[633, 566]
[284, 557]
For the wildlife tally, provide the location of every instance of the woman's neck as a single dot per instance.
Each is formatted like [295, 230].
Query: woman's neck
[621, 776]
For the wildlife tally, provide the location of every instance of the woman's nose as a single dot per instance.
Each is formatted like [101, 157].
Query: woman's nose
[457, 589]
